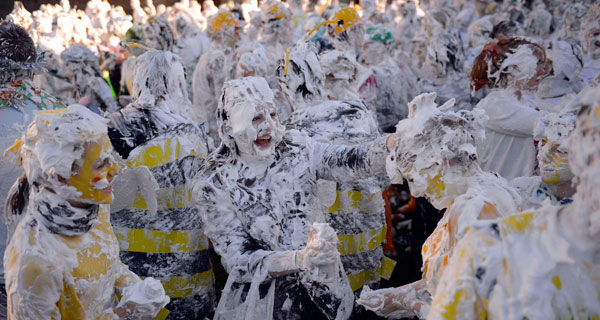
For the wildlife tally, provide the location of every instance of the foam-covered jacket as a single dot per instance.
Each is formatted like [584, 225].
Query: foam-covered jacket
[169, 245]
[50, 275]
[355, 209]
[530, 265]
[249, 217]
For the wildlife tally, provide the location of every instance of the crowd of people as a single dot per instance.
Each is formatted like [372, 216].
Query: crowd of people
[319, 159]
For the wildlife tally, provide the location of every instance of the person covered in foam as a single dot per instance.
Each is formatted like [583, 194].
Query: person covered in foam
[19, 100]
[510, 67]
[154, 34]
[216, 65]
[555, 179]
[62, 262]
[436, 154]
[154, 132]
[83, 71]
[540, 264]
[257, 196]
[589, 36]
[276, 32]
[355, 210]
[394, 87]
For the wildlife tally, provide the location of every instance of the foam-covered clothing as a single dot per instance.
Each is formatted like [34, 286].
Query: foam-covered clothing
[250, 217]
[524, 266]
[488, 197]
[53, 276]
[169, 245]
[355, 210]
[533, 192]
[213, 69]
[508, 149]
[18, 102]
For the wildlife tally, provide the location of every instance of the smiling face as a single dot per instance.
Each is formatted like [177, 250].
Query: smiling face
[255, 128]
[93, 178]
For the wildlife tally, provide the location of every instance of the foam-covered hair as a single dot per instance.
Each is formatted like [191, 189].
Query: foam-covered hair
[431, 136]
[54, 141]
[590, 21]
[162, 36]
[18, 57]
[302, 59]
[158, 76]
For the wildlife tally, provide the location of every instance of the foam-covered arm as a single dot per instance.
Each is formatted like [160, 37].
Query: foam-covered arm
[349, 163]
[34, 292]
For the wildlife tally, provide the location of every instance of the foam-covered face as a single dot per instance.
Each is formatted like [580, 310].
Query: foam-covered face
[553, 163]
[592, 40]
[93, 178]
[255, 128]
[276, 30]
[373, 52]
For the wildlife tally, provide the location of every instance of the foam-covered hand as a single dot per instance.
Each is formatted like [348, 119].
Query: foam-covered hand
[142, 300]
[403, 302]
[321, 247]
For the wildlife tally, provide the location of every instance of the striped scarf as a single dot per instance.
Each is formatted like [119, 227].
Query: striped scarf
[59, 217]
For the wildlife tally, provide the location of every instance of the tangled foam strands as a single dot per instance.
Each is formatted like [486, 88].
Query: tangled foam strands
[11, 70]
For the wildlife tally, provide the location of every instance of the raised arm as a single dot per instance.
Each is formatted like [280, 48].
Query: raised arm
[349, 163]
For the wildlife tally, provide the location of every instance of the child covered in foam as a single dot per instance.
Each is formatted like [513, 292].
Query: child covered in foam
[258, 196]
[555, 179]
[541, 264]
[62, 262]
[436, 154]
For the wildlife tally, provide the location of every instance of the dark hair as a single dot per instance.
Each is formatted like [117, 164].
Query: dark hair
[492, 55]
[18, 197]
[15, 43]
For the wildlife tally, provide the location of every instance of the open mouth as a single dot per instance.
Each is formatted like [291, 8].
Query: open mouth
[263, 142]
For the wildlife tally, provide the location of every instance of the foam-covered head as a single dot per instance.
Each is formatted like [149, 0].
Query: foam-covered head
[247, 118]
[221, 27]
[79, 58]
[552, 132]
[436, 148]
[479, 32]
[539, 22]
[445, 53]
[346, 28]
[584, 155]
[589, 34]
[68, 151]
[276, 22]
[251, 63]
[158, 34]
[572, 19]
[510, 62]
[300, 75]
[18, 56]
[158, 78]
[378, 40]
